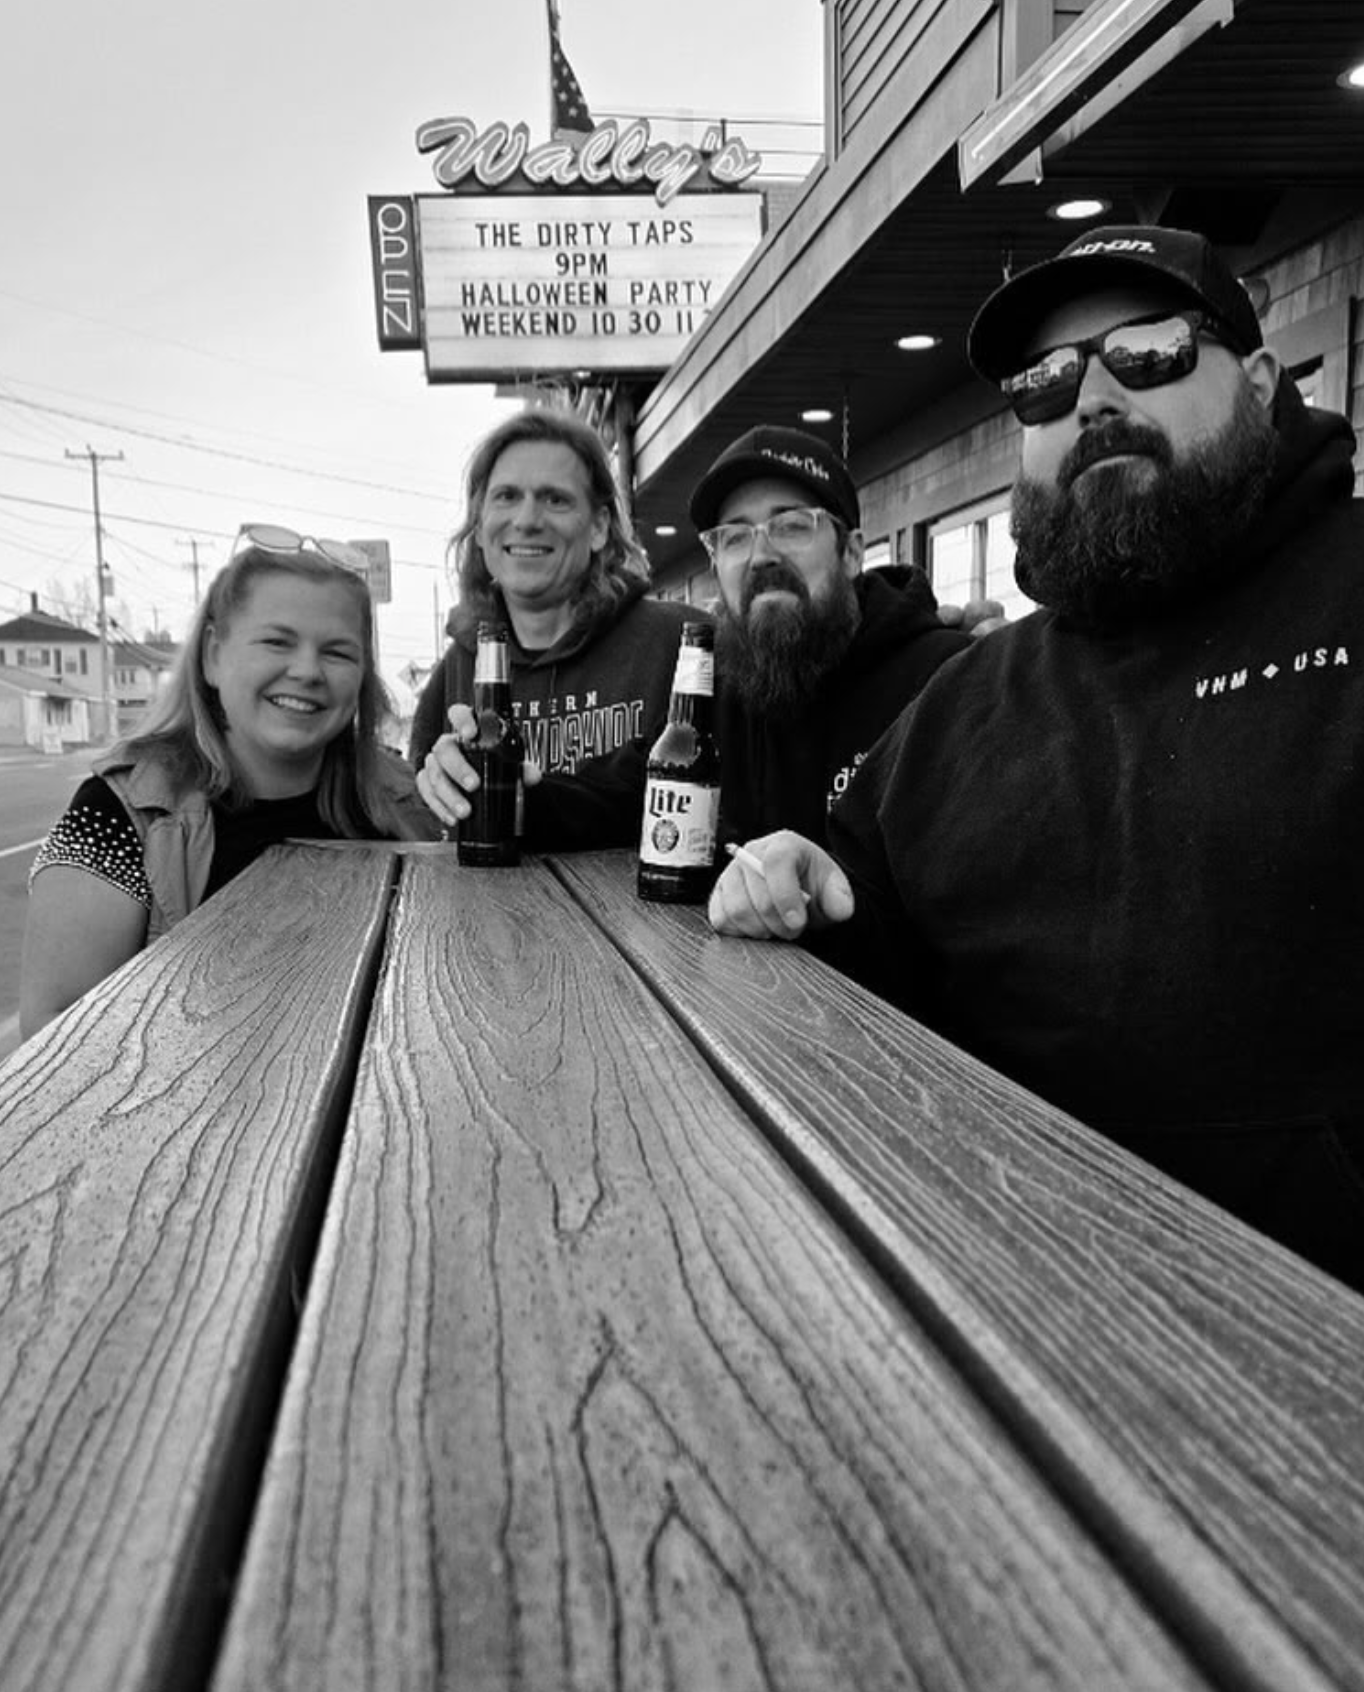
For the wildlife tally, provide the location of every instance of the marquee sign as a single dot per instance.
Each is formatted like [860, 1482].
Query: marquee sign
[574, 283]
[603, 256]
[612, 156]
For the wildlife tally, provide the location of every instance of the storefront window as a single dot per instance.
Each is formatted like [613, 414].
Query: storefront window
[971, 556]
[952, 566]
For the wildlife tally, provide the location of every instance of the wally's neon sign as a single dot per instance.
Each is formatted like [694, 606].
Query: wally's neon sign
[612, 157]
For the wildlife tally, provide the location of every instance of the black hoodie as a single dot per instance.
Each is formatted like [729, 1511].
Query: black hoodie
[786, 771]
[1127, 868]
[776, 772]
[599, 686]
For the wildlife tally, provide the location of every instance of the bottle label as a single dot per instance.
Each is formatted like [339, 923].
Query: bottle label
[490, 663]
[491, 728]
[680, 822]
[695, 671]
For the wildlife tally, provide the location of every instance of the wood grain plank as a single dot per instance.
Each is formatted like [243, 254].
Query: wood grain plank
[589, 1394]
[164, 1148]
[1194, 1390]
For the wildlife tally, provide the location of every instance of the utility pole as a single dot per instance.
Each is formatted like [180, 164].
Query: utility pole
[106, 667]
[193, 544]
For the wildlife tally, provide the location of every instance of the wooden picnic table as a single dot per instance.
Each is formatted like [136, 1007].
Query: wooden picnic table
[415, 1276]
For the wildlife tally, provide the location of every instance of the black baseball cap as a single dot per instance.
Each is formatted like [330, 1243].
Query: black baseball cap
[789, 453]
[1119, 253]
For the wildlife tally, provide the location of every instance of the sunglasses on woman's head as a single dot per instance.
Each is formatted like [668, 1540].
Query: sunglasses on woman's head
[1146, 353]
[272, 537]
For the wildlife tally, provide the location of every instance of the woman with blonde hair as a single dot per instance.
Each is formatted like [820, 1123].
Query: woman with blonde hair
[268, 729]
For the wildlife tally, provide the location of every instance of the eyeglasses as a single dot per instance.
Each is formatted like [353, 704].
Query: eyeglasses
[788, 531]
[1146, 353]
[270, 537]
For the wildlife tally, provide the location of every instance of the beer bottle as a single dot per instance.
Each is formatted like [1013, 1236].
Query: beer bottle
[490, 834]
[682, 792]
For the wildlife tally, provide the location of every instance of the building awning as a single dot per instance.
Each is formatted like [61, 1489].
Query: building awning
[1185, 112]
[1111, 49]
[15, 680]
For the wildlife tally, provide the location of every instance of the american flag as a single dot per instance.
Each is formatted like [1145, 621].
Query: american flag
[569, 116]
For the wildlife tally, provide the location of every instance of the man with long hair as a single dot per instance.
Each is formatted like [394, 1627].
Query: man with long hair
[547, 549]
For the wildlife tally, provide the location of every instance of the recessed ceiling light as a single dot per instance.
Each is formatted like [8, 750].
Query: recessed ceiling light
[917, 343]
[1352, 78]
[817, 414]
[665, 528]
[1075, 211]
[1258, 289]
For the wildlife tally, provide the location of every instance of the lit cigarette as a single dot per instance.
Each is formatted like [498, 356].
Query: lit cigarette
[751, 861]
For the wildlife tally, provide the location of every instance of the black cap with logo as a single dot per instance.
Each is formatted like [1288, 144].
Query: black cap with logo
[998, 340]
[789, 453]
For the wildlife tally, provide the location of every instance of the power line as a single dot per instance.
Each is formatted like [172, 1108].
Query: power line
[228, 534]
[119, 517]
[9, 386]
[190, 445]
[274, 372]
[155, 482]
[113, 538]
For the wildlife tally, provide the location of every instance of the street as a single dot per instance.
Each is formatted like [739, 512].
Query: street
[34, 789]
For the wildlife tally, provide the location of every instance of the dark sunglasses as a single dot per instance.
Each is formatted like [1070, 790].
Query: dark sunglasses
[1146, 353]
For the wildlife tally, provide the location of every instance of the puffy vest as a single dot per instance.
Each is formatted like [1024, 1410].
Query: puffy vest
[176, 831]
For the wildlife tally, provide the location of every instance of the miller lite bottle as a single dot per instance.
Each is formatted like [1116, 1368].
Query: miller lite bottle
[682, 793]
[490, 834]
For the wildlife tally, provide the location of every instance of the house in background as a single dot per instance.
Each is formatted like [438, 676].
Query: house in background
[39, 711]
[141, 670]
[54, 682]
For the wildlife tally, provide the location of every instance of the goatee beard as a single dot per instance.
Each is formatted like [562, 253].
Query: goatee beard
[1130, 542]
[775, 661]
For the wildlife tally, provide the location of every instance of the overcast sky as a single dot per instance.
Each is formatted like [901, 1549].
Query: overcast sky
[185, 270]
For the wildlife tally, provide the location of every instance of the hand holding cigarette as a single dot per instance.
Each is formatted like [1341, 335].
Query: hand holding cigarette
[776, 887]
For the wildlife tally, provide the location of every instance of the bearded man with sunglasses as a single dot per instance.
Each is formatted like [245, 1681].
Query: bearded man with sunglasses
[1115, 849]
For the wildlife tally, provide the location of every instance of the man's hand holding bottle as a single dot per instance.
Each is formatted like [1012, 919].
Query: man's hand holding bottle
[447, 777]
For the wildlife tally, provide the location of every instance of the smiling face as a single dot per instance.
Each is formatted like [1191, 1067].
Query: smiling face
[538, 527]
[288, 666]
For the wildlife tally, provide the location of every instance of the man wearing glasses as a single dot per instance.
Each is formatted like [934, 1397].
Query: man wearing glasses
[814, 658]
[1115, 849]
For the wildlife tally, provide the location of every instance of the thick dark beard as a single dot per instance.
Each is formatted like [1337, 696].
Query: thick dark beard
[774, 663]
[1116, 552]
